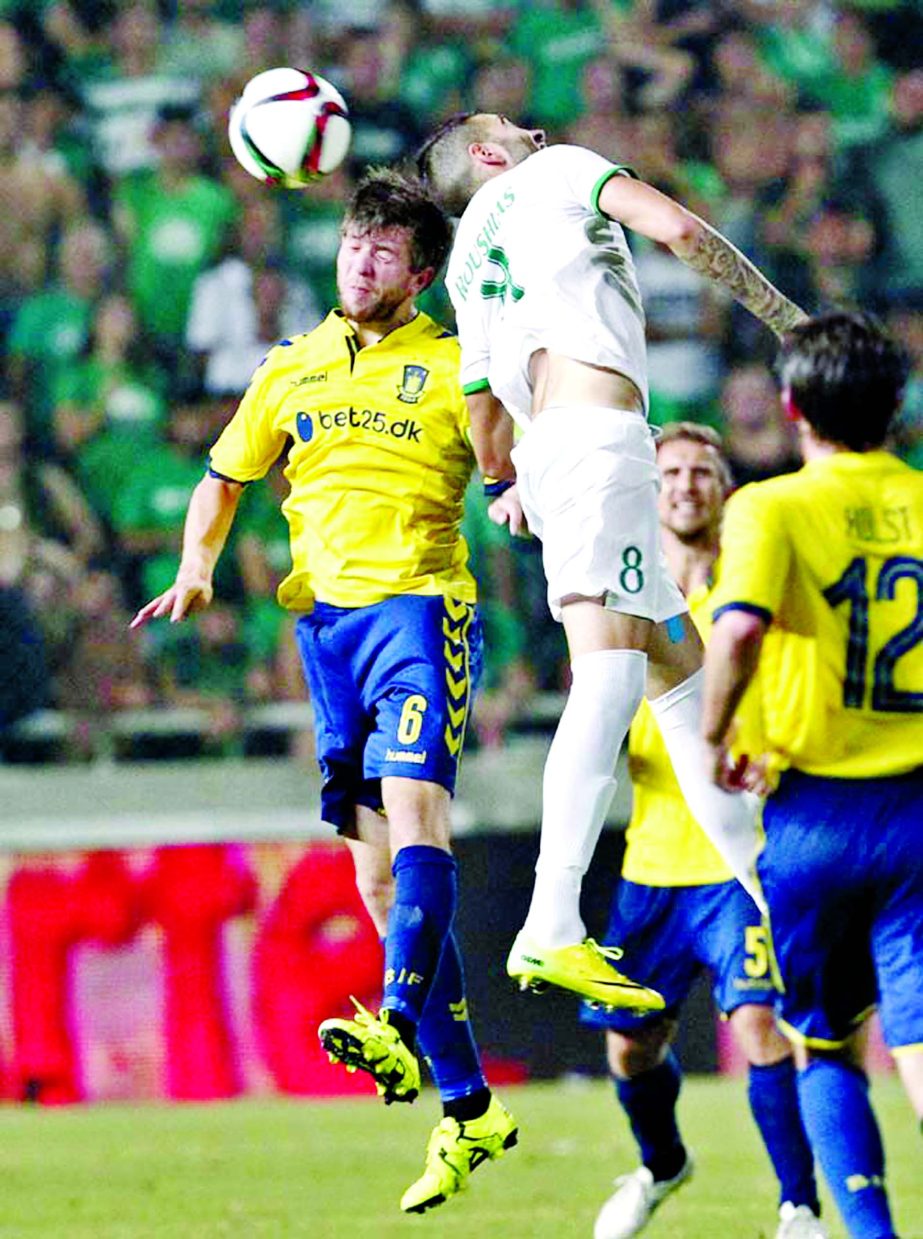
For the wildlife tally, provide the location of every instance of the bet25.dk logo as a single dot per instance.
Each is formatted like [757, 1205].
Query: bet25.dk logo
[373, 421]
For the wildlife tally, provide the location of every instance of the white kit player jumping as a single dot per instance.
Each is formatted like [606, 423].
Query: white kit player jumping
[552, 336]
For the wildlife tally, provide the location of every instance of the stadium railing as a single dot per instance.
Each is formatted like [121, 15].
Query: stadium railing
[51, 734]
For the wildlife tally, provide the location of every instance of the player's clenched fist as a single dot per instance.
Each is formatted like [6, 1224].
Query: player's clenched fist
[507, 510]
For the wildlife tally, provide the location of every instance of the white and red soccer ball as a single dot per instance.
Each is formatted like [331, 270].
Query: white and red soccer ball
[289, 127]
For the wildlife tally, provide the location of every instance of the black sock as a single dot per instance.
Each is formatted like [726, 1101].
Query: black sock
[649, 1100]
[665, 1166]
[405, 1028]
[464, 1109]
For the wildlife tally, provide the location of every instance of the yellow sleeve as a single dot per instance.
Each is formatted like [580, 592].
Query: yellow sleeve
[251, 442]
[755, 554]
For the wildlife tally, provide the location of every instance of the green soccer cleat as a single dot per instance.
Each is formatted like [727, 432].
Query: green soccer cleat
[369, 1043]
[454, 1150]
[585, 968]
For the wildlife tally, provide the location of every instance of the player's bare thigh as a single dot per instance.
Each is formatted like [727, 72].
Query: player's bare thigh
[674, 653]
[561, 382]
[591, 627]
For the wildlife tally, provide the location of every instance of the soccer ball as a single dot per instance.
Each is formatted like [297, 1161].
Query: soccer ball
[289, 127]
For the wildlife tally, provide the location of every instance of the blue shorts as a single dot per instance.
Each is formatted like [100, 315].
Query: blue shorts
[390, 685]
[670, 933]
[842, 871]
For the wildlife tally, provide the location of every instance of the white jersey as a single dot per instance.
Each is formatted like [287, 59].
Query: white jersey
[535, 265]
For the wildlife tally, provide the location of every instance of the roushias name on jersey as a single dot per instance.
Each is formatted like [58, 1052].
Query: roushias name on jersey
[479, 252]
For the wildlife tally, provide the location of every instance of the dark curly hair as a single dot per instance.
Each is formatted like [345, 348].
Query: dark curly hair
[389, 198]
[846, 377]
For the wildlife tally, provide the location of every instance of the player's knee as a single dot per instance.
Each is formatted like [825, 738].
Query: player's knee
[910, 1065]
[850, 1053]
[417, 812]
[758, 1035]
[630, 1056]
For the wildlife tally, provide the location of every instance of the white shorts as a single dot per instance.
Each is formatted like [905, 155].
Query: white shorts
[588, 483]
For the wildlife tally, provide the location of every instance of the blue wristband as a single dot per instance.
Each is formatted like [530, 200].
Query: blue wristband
[494, 488]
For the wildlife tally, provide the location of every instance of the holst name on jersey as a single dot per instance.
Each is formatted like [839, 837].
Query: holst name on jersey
[878, 524]
[478, 252]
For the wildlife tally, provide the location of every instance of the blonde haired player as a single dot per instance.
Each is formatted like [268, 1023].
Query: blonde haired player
[677, 909]
[552, 334]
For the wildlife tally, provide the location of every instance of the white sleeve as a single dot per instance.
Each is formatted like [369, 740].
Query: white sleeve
[576, 174]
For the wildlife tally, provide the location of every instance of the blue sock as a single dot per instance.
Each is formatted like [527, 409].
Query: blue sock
[649, 1100]
[844, 1133]
[445, 1032]
[420, 919]
[773, 1092]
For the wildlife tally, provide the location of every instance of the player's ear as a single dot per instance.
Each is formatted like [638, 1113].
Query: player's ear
[789, 407]
[490, 154]
[421, 280]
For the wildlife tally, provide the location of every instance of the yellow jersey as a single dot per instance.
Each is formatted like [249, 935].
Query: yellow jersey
[833, 556]
[664, 844]
[379, 456]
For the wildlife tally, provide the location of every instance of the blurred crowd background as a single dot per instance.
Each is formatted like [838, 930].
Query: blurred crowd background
[144, 275]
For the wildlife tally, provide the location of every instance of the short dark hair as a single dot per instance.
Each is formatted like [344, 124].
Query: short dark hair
[846, 377]
[424, 153]
[443, 164]
[388, 198]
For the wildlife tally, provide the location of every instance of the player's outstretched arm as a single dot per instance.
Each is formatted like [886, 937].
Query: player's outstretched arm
[645, 209]
[208, 521]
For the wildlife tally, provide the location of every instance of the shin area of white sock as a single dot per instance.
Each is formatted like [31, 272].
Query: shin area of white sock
[578, 785]
[728, 818]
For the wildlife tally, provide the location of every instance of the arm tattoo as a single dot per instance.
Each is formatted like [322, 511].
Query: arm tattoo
[713, 256]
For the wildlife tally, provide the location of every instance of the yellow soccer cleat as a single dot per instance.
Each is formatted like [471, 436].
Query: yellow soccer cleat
[454, 1150]
[369, 1043]
[584, 968]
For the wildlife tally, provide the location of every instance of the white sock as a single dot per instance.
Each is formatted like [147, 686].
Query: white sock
[728, 818]
[578, 786]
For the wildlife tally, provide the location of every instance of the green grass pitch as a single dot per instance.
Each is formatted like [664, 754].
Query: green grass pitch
[282, 1169]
